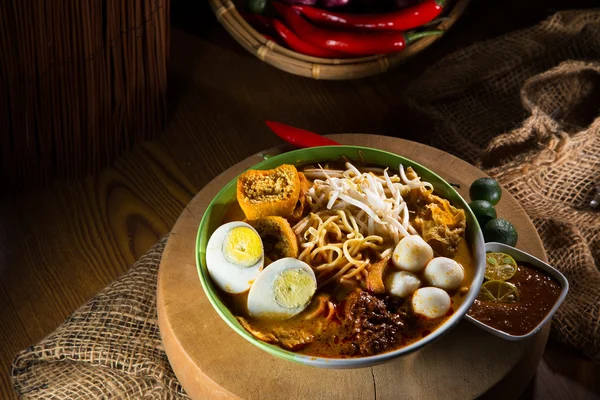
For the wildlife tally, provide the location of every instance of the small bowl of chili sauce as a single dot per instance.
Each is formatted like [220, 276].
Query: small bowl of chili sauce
[541, 288]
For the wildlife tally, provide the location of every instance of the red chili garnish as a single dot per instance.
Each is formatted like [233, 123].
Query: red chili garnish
[401, 20]
[300, 138]
[297, 44]
[356, 43]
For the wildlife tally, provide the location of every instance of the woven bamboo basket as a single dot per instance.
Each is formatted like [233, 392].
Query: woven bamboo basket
[80, 82]
[322, 68]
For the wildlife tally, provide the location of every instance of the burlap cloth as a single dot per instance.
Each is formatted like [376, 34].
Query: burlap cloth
[544, 147]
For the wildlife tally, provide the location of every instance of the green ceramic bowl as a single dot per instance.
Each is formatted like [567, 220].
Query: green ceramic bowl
[215, 212]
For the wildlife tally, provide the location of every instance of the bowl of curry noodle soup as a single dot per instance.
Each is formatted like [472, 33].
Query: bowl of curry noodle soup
[340, 256]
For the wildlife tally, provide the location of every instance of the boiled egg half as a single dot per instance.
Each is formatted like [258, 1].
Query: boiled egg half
[234, 256]
[282, 290]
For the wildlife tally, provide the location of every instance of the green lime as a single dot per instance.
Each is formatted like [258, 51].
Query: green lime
[498, 291]
[486, 189]
[500, 230]
[484, 211]
[499, 267]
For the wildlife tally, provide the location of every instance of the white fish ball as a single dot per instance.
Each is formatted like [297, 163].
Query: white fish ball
[412, 254]
[444, 273]
[431, 302]
[402, 283]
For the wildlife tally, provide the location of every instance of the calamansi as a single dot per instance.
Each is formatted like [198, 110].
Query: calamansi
[484, 211]
[485, 193]
[499, 266]
[498, 291]
[500, 230]
[486, 189]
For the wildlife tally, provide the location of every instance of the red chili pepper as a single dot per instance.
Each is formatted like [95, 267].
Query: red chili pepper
[297, 44]
[259, 22]
[299, 137]
[401, 20]
[273, 39]
[355, 43]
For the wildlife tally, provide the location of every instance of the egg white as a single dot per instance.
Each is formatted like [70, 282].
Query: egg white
[431, 302]
[412, 254]
[228, 276]
[444, 273]
[262, 298]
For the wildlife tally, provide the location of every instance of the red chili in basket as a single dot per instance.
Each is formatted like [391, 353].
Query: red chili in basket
[259, 22]
[271, 38]
[401, 20]
[355, 43]
[297, 44]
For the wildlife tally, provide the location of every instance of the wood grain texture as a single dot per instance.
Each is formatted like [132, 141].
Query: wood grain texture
[60, 246]
[205, 353]
[99, 60]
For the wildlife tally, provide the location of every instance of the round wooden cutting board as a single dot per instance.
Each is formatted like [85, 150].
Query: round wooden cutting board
[212, 361]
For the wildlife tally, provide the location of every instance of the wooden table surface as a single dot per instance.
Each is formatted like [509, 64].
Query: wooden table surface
[60, 246]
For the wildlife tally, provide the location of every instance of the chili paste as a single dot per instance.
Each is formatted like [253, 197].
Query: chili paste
[538, 294]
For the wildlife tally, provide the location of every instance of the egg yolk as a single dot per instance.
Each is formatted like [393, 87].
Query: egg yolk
[242, 247]
[293, 288]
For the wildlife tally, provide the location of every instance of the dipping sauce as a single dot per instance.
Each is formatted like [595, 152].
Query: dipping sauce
[538, 294]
